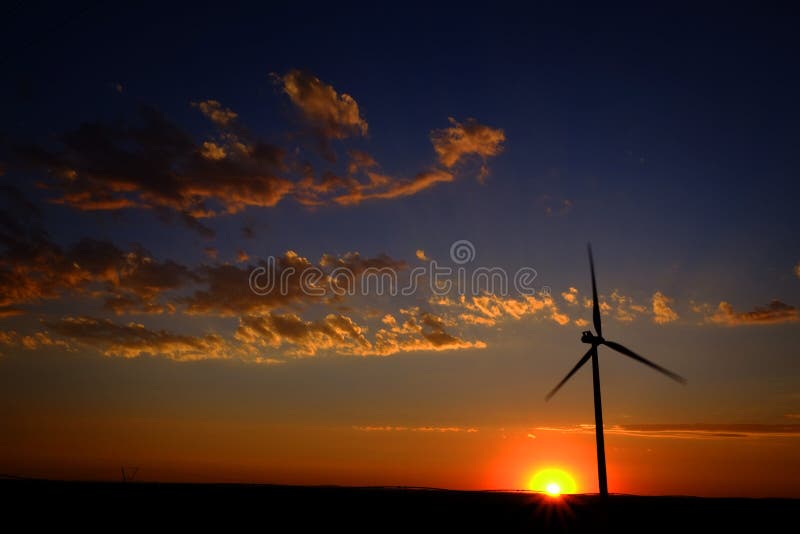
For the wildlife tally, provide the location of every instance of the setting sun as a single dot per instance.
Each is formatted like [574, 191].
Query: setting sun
[553, 481]
[554, 489]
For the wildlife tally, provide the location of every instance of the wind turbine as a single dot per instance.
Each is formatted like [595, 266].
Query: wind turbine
[595, 341]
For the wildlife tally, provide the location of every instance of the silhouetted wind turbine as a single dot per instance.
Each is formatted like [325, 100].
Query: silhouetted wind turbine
[128, 476]
[594, 341]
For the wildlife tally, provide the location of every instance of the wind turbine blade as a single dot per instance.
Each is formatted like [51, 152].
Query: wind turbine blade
[628, 352]
[595, 303]
[574, 370]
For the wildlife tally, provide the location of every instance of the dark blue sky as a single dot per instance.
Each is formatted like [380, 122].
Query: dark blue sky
[664, 128]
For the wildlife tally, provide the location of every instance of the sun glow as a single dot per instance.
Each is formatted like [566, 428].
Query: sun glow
[553, 481]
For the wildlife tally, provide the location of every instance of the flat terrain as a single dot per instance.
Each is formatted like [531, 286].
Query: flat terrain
[295, 508]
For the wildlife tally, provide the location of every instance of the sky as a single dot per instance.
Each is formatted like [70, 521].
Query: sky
[160, 165]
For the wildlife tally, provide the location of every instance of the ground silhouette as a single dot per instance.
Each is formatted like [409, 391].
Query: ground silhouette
[39, 503]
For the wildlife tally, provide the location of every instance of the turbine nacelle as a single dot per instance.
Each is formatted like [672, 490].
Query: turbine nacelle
[591, 339]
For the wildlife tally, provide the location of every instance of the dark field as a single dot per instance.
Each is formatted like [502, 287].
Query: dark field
[295, 508]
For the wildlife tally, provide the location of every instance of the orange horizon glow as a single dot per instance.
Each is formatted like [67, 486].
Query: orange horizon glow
[190, 450]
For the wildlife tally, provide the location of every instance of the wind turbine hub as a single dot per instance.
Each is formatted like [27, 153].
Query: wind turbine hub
[591, 339]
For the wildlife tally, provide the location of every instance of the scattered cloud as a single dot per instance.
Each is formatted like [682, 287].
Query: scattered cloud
[34, 268]
[32, 341]
[335, 332]
[434, 429]
[379, 186]
[211, 150]
[149, 162]
[132, 340]
[662, 310]
[355, 263]
[489, 309]
[624, 308]
[420, 254]
[605, 307]
[797, 270]
[267, 338]
[152, 163]
[339, 334]
[226, 288]
[216, 113]
[417, 331]
[469, 138]
[570, 296]
[775, 312]
[359, 161]
[686, 431]
[332, 115]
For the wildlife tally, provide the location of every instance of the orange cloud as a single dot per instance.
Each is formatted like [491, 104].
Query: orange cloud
[418, 331]
[686, 431]
[488, 309]
[32, 341]
[212, 151]
[774, 313]
[662, 312]
[341, 335]
[349, 191]
[461, 140]
[570, 296]
[333, 116]
[359, 161]
[267, 338]
[336, 332]
[385, 187]
[439, 429]
[134, 340]
[404, 188]
[153, 163]
[33, 268]
[605, 307]
[625, 309]
[226, 288]
[227, 292]
[217, 114]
